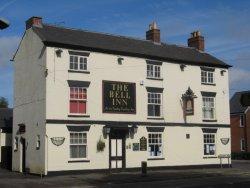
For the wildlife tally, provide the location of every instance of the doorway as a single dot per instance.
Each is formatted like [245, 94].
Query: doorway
[117, 151]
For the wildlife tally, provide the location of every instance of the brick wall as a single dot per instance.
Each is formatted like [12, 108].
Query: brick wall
[237, 133]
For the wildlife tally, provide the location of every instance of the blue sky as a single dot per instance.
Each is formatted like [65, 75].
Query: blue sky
[224, 24]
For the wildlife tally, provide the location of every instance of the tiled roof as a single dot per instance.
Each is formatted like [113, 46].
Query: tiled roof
[120, 45]
[235, 104]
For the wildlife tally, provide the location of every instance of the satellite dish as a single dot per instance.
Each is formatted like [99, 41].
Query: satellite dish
[3, 23]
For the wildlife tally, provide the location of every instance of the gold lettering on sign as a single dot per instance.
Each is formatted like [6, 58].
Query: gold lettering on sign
[119, 94]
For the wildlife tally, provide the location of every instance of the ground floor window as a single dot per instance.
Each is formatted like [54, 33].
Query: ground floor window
[78, 145]
[209, 144]
[16, 144]
[38, 142]
[155, 144]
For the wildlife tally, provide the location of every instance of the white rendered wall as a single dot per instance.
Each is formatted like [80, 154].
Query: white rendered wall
[105, 67]
[29, 101]
[58, 156]
[177, 150]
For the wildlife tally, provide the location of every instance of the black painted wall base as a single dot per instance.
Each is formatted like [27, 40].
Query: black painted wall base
[58, 173]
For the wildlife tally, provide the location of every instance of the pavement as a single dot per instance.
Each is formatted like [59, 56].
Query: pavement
[238, 176]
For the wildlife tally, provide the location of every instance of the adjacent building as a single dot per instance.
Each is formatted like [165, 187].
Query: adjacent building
[86, 101]
[240, 124]
[6, 119]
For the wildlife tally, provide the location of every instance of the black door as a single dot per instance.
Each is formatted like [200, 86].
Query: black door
[117, 152]
[6, 157]
[23, 154]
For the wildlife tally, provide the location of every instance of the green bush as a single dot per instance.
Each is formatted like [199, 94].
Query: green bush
[241, 156]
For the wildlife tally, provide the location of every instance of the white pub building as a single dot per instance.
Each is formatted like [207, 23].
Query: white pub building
[94, 101]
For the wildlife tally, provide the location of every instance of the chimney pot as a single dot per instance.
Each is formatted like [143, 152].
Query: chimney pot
[153, 33]
[34, 21]
[196, 40]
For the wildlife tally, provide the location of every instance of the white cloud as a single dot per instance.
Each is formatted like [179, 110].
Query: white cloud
[8, 46]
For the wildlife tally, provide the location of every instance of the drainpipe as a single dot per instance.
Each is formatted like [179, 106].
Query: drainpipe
[46, 155]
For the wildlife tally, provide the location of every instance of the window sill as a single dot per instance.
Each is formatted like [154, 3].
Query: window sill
[209, 120]
[156, 118]
[79, 161]
[208, 84]
[155, 159]
[210, 157]
[151, 78]
[78, 71]
[78, 115]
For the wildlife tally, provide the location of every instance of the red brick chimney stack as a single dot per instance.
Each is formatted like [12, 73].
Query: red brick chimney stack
[34, 21]
[153, 33]
[196, 41]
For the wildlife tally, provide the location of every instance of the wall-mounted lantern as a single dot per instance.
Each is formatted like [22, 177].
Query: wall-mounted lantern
[135, 128]
[120, 60]
[106, 130]
[222, 72]
[182, 67]
[22, 128]
[59, 52]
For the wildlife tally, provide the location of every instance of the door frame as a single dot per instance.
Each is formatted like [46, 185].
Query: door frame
[118, 134]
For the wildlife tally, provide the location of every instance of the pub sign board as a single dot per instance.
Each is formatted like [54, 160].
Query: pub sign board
[119, 97]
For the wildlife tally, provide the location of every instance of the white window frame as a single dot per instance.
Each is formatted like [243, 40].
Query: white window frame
[16, 144]
[207, 77]
[154, 101]
[75, 64]
[209, 143]
[77, 99]
[242, 120]
[153, 71]
[213, 107]
[159, 142]
[38, 142]
[242, 144]
[78, 144]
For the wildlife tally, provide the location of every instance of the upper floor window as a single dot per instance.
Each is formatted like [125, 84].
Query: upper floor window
[153, 71]
[78, 145]
[207, 77]
[209, 143]
[208, 108]
[154, 104]
[78, 100]
[77, 62]
[241, 120]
